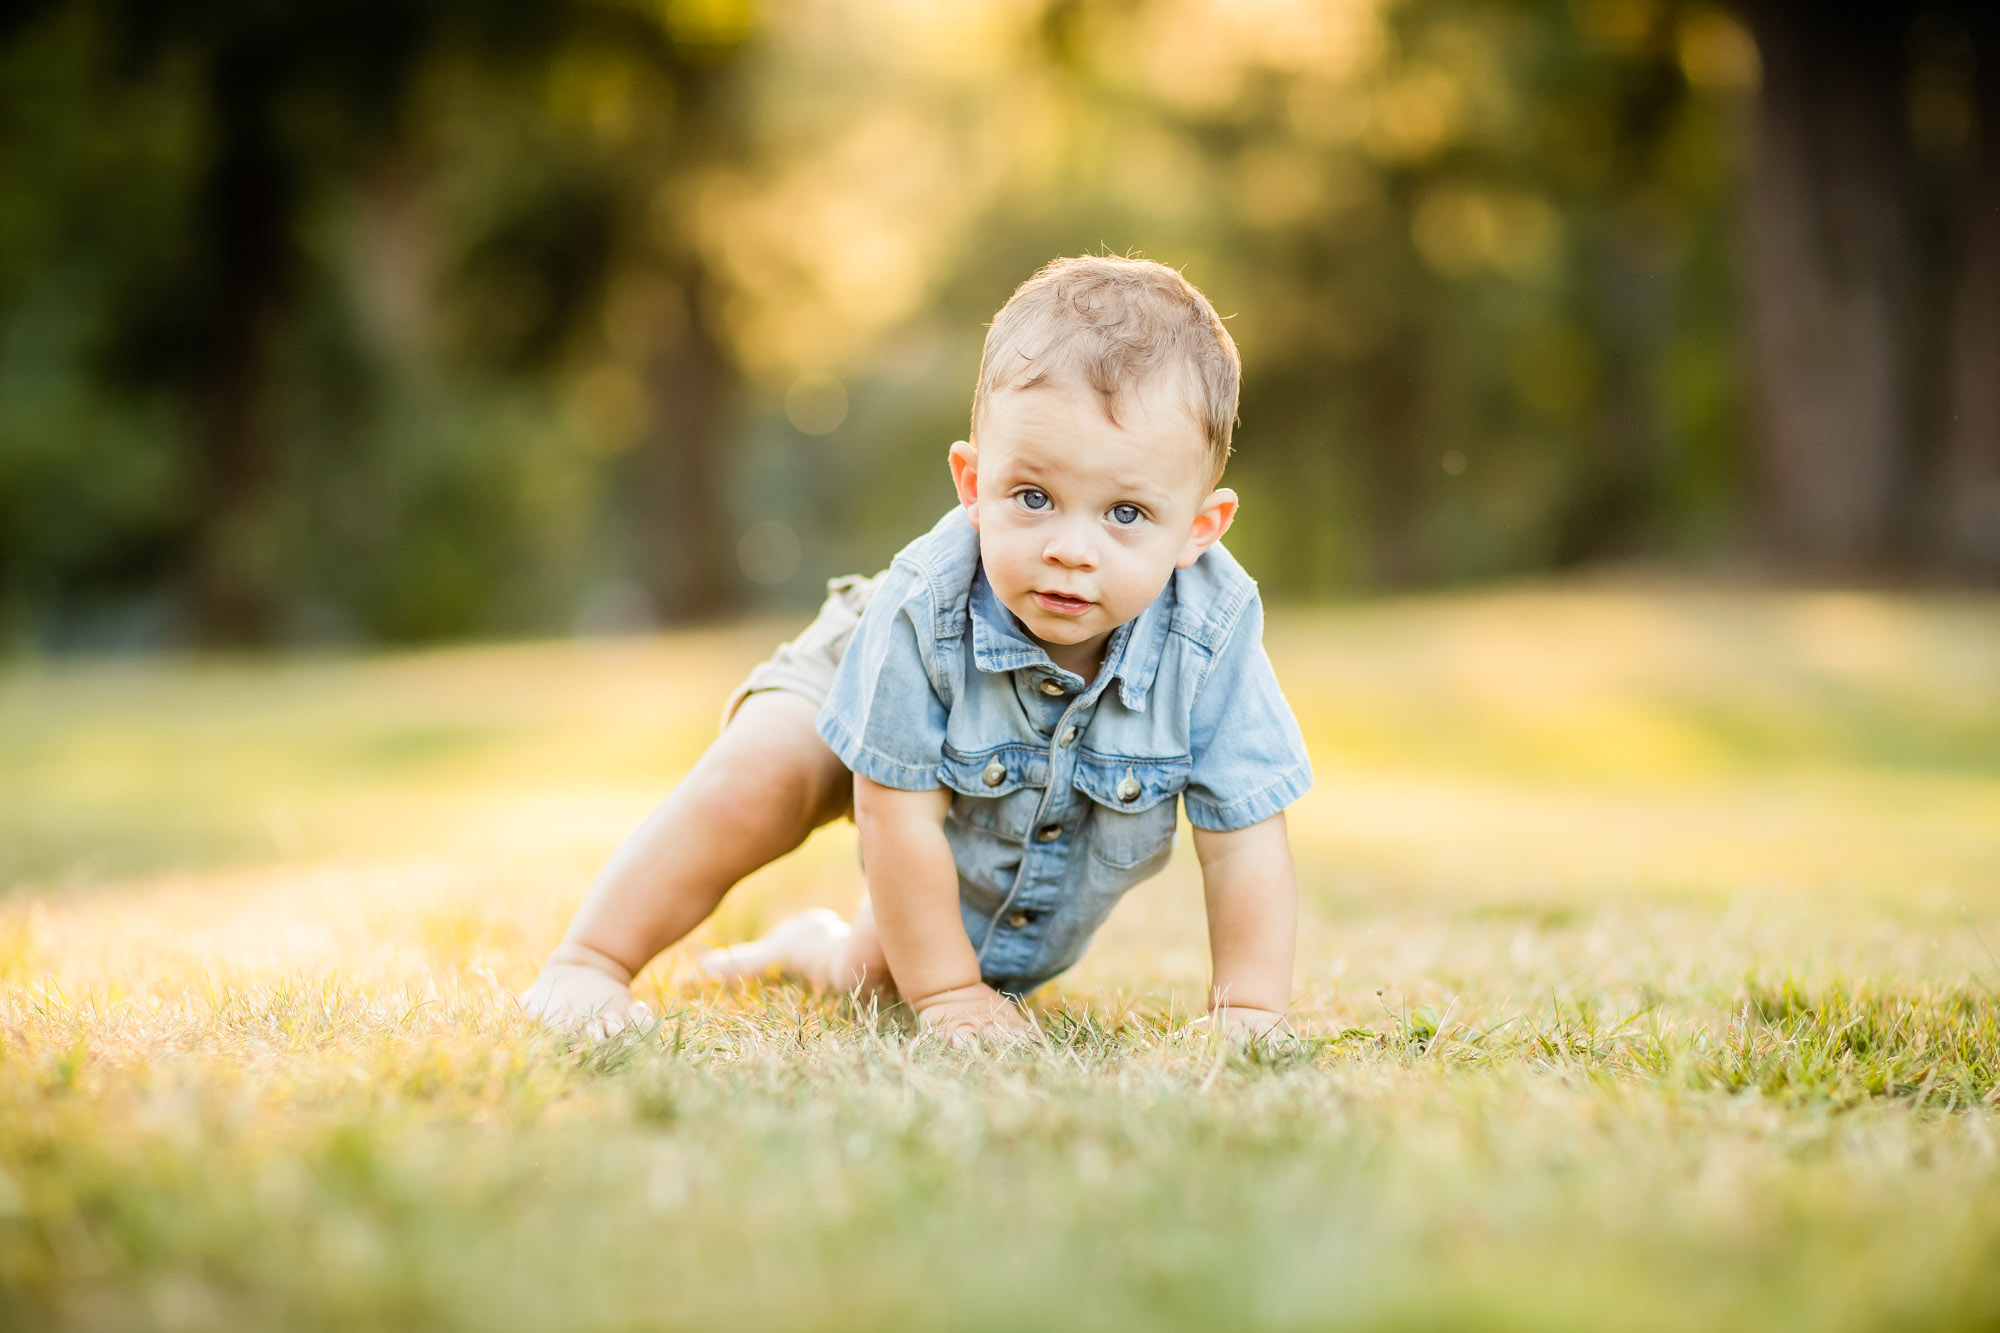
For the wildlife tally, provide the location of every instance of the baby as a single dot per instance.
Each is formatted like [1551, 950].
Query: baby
[1010, 710]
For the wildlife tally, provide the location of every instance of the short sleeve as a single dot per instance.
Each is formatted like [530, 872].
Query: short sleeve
[1249, 757]
[883, 717]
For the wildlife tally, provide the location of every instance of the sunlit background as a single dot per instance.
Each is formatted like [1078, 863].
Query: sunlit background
[401, 320]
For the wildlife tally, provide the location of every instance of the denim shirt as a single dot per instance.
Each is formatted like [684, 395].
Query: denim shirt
[1063, 790]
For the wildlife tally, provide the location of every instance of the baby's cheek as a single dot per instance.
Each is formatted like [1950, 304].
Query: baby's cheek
[1004, 569]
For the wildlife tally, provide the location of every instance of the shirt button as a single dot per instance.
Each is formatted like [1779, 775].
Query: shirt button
[1069, 734]
[995, 774]
[1128, 790]
[1052, 688]
[1048, 833]
[1019, 919]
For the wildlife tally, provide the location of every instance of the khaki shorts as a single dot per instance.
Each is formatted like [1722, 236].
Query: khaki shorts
[805, 665]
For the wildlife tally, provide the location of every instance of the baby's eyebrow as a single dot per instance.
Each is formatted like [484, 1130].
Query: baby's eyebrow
[1139, 490]
[1016, 470]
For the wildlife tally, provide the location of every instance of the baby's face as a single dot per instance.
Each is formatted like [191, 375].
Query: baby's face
[1081, 522]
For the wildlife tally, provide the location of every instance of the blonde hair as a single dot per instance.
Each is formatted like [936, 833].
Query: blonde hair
[1114, 324]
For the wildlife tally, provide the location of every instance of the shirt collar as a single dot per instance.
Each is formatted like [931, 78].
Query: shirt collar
[1132, 656]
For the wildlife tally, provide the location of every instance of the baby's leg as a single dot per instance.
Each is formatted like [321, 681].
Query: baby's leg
[765, 784]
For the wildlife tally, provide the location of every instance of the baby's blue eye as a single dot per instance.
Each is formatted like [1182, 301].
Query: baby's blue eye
[1125, 515]
[1035, 499]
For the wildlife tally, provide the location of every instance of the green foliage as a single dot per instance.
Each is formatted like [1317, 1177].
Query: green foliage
[349, 418]
[524, 291]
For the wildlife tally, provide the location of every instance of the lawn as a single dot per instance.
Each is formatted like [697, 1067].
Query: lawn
[1647, 980]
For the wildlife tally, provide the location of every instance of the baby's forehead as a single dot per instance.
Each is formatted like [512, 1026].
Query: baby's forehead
[1073, 432]
[1158, 478]
[1165, 389]
[1156, 412]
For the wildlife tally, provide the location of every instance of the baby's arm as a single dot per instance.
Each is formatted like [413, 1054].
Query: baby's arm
[1253, 910]
[913, 886]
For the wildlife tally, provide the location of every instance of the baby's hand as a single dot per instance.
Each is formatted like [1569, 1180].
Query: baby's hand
[967, 1015]
[1238, 1023]
[583, 997]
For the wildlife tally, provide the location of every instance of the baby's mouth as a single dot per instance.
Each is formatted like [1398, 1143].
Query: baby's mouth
[1062, 603]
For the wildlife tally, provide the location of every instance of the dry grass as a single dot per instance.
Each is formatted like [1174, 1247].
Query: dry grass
[1644, 983]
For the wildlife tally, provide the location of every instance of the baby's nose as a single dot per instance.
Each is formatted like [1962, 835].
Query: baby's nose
[1072, 549]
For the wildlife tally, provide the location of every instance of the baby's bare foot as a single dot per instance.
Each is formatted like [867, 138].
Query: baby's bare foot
[799, 948]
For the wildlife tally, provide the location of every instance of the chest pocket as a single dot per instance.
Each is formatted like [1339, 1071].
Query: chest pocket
[998, 790]
[1132, 827]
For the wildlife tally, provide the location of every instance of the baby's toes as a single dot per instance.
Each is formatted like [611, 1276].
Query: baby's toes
[800, 946]
[726, 964]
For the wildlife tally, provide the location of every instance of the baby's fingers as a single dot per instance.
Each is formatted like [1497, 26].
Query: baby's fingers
[995, 1035]
[598, 1023]
[961, 1033]
[614, 1018]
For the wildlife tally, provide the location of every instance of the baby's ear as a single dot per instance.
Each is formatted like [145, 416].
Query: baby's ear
[1217, 512]
[964, 460]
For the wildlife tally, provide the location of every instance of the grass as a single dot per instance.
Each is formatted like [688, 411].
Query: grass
[1644, 983]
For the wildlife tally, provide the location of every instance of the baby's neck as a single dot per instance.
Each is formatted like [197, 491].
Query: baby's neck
[1082, 658]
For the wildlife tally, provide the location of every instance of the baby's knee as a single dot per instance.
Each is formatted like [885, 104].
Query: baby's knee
[784, 774]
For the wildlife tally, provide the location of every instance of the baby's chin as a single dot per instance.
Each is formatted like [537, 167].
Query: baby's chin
[1048, 626]
[1064, 630]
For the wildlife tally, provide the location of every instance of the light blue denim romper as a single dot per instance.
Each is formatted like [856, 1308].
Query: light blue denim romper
[1064, 792]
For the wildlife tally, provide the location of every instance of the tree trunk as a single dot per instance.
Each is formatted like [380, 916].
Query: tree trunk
[690, 559]
[1399, 460]
[1968, 537]
[247, 207]
[688, 538]
[1832, 250]
[1614, 490]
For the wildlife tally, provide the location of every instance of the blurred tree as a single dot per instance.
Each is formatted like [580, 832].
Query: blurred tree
[690, 565]
[1874, 204]
[413, 318]
[1478, 252]
[353, 61]
[1969, 531]
[296, 112]
[207, 330]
